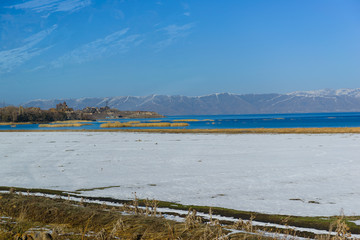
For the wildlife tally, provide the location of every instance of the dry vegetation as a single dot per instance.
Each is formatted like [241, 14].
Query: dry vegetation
[256, 130]
[133, 122]
[179, 124]
[24, 215]
[73, 121]
[63, 125]
[62, 113]
[186, 120]
[154, 124]
[139, 124]
[14, 123]
[37, 115]
[193, 120]
[114, 125]
[27, 215]
[337, 130]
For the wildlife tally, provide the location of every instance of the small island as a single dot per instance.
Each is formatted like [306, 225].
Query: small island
[63, 112]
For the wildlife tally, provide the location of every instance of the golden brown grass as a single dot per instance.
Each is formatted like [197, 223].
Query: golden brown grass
[14, 123]
[179, 124]
[133, 122]
[73, 121]
[186, 120]
[153, 124]
[63, 125]
[65, 219]
[193, 120]
[139, 124]
[114, 125]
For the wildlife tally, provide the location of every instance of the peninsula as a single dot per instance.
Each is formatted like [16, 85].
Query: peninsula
[63, 112]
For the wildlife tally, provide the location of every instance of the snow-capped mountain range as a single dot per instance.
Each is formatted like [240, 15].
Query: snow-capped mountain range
[326, 100]
[328, 92]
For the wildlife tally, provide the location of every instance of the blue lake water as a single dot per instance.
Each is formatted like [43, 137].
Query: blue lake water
[235, 121]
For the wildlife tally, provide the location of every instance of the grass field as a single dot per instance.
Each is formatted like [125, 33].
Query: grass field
[25, 215]
[22, 213]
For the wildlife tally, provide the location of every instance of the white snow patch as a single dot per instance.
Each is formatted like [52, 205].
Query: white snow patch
[314, 175]
[328, 92]
[357, 222]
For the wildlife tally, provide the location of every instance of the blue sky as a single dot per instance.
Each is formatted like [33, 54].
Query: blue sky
[103, 48]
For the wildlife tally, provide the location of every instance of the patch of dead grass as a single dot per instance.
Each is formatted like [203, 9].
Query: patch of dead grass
[63, 125]
[73, 220]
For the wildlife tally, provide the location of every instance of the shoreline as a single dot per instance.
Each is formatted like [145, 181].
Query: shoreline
[317, 130]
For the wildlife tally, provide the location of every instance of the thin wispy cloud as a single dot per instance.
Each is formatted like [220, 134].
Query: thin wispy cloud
[37, 68]
[173, 33]
[12, 58]
[185, 6]
[52, 6]
[186, 9]
[112, 44]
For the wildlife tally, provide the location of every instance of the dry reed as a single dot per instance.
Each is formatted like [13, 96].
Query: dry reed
[139, 124]
[179, 124]
[186, 120]
[102, 223]
[14, 123]
[63, 125]
[133, 122]
[73, 121]
[114, 125]
[154, 124]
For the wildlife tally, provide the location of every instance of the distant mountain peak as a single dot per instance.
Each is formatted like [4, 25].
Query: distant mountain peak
[324, 100]
[327, 92]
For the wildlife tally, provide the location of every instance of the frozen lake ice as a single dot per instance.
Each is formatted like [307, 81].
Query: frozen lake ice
[297, 174]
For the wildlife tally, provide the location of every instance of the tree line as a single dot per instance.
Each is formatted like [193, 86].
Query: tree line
[34, 114]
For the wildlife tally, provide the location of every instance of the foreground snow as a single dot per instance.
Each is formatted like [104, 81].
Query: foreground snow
[286, 174]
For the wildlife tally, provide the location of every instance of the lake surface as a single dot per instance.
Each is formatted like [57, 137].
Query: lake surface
[302, 120]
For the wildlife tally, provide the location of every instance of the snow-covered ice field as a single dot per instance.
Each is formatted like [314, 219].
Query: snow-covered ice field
[295, 174]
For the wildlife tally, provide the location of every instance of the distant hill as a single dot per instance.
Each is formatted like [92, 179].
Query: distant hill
[342, 100]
